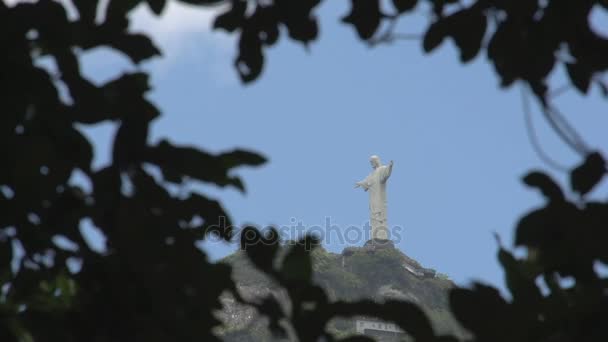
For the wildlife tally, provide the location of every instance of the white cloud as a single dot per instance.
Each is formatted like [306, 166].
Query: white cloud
[181, 30]
[185, 30]
[177, 24]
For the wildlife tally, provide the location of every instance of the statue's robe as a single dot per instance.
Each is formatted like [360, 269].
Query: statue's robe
[375, 184]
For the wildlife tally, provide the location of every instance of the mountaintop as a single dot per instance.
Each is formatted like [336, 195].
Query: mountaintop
[377, 272]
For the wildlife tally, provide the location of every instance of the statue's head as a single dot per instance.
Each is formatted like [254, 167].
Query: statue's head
[375, 161]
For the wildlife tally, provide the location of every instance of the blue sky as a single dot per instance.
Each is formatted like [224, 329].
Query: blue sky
[458, 141]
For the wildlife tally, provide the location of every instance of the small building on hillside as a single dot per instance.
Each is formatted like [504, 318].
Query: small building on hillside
[383, 331]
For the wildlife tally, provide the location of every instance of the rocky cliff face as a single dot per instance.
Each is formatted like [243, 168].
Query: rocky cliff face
[358, 272]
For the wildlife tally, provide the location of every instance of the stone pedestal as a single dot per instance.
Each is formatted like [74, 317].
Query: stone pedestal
[379, 244]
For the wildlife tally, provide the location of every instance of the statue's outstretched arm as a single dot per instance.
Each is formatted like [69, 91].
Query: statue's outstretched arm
[387, 172]
[362, 184]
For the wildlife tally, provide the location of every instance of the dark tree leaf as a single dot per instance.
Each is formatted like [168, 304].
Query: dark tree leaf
[233, 18]
[250, 60]
[533, 228]
[404, 5]
[365, 16]
[241, 158]
[595, 218]
[117, 9]
[156, 6]
[603, 88]
[580, 75]
[297, 265]
[130, 143]
[87, 9]
[6, 256]
[545, 184]
[260, 249]
[521, 285]
[501, 51]
[468, 28]
[481, 310]
[237, 182]
[297, 17]
[271, 308]
[302, 29]
[530, 56]
[128, 85]
[137, 47]
[310, 309]
[177, 162]
[587, 175]
[124, 99]
[265, 21]
[77, 148]
[434, 36]
[291, 8]
[549, 232]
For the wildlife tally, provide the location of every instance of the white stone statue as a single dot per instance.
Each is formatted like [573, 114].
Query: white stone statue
[375, 184]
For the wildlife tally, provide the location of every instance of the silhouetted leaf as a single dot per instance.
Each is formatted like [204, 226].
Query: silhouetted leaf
[137, 47]
[177, 162]
[215, 219]
[481, 310]
[603, 88]
[434, 36]
[587, 175]
[233, 18]
[127, 86]
[580, 76]
[265, 21]
[130, 143]
[297, 264]
[365, 16]
[271, 308]
[521, 285]
[241, 158]
[260, 248]
[553, 220]
[237, 183]
[156, 6]
[303, 29]
[6, 256]
[250, 60]
[468, 28]
[529, 56]
[87, 9]
[119, 8]
[404, 5]
[549, 232]
[595, 217]
[545, 184]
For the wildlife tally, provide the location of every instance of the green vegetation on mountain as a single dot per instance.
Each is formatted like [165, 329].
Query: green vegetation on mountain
[355, 274]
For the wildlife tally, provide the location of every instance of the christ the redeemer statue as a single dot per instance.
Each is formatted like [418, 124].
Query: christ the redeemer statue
[375, 184]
